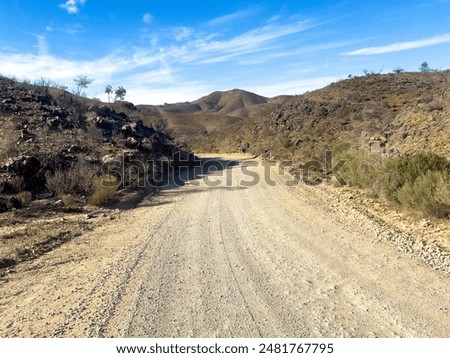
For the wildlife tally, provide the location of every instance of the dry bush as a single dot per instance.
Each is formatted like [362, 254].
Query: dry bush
[57, 183]
[8, 147]
[93, 134]
[68, 200]
[16, 183]
[77, 180]
[159, 124]
[105, 191]
[25, 198]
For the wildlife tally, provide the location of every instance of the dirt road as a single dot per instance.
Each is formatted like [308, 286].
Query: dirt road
[235, 260]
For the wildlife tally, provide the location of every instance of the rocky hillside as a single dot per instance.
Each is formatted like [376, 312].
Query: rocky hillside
[393, 114]
[389, 135]
[53, 142]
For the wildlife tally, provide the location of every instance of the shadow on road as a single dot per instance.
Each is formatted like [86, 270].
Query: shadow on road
[185, 181]
[203, 167]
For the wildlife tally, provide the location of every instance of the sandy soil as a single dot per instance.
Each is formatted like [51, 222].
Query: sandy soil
[229, 260]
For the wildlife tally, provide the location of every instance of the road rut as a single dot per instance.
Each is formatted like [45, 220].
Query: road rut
[234, 260]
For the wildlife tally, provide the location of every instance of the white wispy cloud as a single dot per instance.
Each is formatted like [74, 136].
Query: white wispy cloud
[72, 6]
[161, 71]
[225, 19]
[400, 46]
[171, 93]
[42, 45]
[255, 38]
[133, 68]
[74, 29]
[58, 69]
[207, 50]
[304, 50]
[147, 18]
[182, 33]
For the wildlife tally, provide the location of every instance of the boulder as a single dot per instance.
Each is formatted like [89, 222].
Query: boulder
[23, 165]
[102, 111]
[8, 184]
[3, 206]
[107, 159]
[124, 105]
[14, 203]
[30, 170]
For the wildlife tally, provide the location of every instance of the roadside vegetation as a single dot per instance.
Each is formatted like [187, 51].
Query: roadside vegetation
[419, 182]
[392, 130]
[81, 180]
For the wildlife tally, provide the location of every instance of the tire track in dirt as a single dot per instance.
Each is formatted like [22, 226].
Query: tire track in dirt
[228, 261]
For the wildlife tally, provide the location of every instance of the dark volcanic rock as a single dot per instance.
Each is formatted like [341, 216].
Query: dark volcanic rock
[47, 131]
[30, 170]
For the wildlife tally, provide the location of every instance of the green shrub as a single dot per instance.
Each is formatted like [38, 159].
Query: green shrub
[443, 189]
[25, 197]
[361, 169]
[285, 143]
[400, 171]
[105, 191]
[429, 193]
[419, 182]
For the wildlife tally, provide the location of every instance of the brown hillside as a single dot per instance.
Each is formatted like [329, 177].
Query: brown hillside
[49, 133]
[191, 128]
[229, 101]
[392, 113]
[192, 122]
[216, 102]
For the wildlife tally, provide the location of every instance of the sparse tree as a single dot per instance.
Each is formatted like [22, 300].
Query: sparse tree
[120, 93]
[109, 92]
[81, 82]
[43, 82]
[424, 67]
[398, 70]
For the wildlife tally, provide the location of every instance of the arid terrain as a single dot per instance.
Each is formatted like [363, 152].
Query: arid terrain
[232, 260]
[241, 242]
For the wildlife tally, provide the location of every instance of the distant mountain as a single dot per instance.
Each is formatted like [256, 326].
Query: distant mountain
[400, 113]
[217, 102]
[191, 122]
[391, 113]
[229, 101]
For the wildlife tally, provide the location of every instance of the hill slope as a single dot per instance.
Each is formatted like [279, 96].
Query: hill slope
[393, 114]
[47, 132]
[191, 122]
[229, 101]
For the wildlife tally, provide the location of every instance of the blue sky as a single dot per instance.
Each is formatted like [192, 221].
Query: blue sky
[170, 51]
